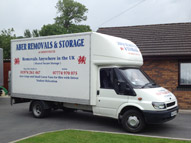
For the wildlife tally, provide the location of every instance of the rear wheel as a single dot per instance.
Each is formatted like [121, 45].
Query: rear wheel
[38, 109]
[133, 121]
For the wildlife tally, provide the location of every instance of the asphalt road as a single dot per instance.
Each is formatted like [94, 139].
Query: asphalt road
[17, 122]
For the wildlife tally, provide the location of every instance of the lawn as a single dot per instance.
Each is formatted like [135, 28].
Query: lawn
[76, 136]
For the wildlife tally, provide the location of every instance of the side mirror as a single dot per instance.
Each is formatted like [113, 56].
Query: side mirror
[123, 89]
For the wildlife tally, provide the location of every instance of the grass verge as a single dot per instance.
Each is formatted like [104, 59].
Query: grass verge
[76, 136]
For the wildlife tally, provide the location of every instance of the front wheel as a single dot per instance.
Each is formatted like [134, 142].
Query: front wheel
[133, 121]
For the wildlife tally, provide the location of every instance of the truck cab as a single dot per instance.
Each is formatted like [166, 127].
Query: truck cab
[128, 94]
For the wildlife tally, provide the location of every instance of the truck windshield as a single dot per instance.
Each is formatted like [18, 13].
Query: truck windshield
[137, 79]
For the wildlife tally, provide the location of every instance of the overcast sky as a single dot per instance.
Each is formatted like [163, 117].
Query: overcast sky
[33, 14]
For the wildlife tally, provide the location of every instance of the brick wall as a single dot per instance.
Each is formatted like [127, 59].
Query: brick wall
[6, 69]
[165, 73]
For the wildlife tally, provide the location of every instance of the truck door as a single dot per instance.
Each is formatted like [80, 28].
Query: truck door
[108, 99]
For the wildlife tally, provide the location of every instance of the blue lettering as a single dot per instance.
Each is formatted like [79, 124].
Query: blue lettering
[82, 42]
[78, 43]
[67, 44]
[60, 44]
[71, 43]
[128, 47]
[75, 44]
[48, 45]
[21, 47]
[51, 44]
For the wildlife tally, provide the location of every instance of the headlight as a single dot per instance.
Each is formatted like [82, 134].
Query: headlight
[159, 105]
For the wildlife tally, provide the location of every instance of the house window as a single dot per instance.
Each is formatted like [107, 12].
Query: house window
[185, 74]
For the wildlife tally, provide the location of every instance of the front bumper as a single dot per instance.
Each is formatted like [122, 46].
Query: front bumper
[157, 117]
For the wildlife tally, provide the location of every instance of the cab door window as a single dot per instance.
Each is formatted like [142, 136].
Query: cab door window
[106, 78]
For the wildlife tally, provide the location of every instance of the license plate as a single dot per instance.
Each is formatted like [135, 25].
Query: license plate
[174, 113]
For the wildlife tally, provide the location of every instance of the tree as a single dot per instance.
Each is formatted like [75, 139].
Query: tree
[27, 33]
[20, 37]
[5, 41]
[35, 33]
[78, 28]
[52, 29]
[71, 12]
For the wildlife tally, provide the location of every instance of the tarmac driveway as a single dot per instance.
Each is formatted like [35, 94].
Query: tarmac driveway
[17, 122]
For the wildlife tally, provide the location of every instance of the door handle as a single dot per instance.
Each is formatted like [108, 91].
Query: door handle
[98, 92]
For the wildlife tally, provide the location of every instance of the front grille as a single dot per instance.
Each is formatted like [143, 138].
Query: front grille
[170, 104]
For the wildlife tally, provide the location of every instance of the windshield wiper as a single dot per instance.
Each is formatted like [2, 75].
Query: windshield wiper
[148, 84]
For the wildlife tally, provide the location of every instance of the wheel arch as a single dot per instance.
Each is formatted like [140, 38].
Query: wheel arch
[44, 103]
[123, 108]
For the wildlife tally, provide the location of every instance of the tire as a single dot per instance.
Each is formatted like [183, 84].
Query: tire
[133, 121]
[38, 110]
[1, 91]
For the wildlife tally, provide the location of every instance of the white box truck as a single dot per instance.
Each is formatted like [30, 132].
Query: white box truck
[91, 72]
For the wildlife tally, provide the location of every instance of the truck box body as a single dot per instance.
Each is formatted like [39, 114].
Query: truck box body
[64, 68]
[1, 67]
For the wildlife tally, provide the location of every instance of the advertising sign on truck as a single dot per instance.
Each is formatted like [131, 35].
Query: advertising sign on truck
[91, 72]
[49, 68]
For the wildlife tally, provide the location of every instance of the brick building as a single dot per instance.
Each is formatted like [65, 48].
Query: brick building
[6, 69]
[166, 50]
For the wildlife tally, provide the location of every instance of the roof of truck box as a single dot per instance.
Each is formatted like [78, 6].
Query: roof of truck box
[172, 39]
[105, 49]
